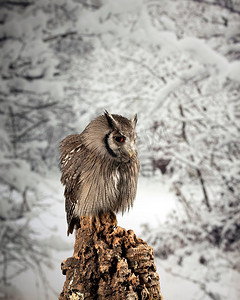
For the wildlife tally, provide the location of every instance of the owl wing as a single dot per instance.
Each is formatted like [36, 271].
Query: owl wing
[84, 178]
[71, 163]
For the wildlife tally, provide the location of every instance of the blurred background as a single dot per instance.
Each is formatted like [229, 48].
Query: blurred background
[174, 63]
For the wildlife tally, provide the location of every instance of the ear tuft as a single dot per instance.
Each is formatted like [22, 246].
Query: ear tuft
[111, 121]
[134, 120]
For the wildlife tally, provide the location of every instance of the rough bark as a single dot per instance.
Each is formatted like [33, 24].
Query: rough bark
[109, 262]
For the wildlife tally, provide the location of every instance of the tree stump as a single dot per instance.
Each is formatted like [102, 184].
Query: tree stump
[109, 262]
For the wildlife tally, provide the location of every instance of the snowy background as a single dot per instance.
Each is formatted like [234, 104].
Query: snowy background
[174, 63]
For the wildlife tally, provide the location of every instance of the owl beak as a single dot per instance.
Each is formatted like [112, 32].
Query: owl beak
[130, 154]
[131, 150]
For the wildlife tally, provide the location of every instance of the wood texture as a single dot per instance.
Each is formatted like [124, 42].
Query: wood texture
[109, 262]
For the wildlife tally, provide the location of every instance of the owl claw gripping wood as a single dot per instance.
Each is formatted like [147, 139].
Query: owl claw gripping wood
[100, 168]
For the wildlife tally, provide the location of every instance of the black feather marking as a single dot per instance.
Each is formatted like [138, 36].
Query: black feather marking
[74, 223]
[110, 151]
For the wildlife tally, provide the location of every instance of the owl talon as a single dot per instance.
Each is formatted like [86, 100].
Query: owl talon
[95, 222]
[98, 222]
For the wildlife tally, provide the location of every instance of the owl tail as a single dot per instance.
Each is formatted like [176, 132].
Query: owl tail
[73, 224]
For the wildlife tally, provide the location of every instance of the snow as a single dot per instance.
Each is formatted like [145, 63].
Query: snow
[65, 62]
[234, 70]
[153, 203]
[193, 285]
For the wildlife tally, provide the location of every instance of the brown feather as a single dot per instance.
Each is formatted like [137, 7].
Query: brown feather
[96, 178]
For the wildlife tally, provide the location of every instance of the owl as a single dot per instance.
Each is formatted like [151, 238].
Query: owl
[100, 168]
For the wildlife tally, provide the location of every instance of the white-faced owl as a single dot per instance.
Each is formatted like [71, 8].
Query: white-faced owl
[100, 168]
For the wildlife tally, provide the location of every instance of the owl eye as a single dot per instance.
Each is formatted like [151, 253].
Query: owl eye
[119, 138]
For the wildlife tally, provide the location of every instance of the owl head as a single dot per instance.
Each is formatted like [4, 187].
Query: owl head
[113, 136]
[121, 140]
